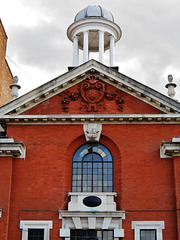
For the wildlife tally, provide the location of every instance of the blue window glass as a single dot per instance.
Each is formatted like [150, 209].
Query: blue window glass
[92, 169]
[35, 234]
[149, 234]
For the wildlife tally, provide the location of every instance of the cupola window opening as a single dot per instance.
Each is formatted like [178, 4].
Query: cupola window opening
[92, 169]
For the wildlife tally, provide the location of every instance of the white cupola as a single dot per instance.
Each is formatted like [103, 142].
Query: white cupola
[93, 30]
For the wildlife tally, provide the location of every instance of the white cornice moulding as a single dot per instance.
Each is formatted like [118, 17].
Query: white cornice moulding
[92, 118]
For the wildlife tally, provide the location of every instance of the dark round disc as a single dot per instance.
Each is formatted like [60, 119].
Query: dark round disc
[92, 201]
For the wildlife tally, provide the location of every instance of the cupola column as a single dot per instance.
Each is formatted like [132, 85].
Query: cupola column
[75, 51]
[101, 45]
[111, 51]
[85, 47]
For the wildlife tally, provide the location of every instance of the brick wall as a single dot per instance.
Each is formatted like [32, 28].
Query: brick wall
[5, 195]
[6, 78]
[144, 182]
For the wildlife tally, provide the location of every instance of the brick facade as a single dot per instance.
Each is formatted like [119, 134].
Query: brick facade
[37, 187]
[6, 78]
[135, 121]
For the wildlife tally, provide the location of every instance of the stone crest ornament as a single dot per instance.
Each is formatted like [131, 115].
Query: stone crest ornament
[92, 92]
[91, 95]
[92, 131]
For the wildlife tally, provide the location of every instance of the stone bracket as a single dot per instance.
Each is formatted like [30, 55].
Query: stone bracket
[170, 149]
[9, 148]
[92, 131]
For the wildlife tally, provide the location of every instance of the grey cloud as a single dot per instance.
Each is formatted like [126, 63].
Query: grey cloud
[42, 46]
[150, 34]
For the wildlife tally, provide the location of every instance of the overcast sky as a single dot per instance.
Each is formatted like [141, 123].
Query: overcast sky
[148, 51]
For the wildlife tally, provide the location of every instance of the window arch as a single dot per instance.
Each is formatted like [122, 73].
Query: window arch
[92, 169]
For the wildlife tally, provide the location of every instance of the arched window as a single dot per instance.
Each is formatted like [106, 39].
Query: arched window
[92, 169]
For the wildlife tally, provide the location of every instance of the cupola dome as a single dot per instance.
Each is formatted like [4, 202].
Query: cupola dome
[94, 12]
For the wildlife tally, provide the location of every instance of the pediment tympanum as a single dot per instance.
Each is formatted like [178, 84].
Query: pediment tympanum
[93, 96]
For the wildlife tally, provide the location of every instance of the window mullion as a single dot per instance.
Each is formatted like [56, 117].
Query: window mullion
[92, 176]
[82, 166]
[102, 176]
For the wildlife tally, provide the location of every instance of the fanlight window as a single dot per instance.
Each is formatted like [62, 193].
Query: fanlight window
[92, 169]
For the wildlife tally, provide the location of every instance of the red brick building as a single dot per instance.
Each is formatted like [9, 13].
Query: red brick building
[92, 154]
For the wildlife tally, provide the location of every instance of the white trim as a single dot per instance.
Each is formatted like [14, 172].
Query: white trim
[92, 118]
[25, 225]
[138, 225]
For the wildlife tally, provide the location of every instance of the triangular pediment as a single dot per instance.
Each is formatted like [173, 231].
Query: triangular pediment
[92, 96]
[127, 89]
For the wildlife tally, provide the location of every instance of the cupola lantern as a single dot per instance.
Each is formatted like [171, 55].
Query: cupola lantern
[94, 30]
